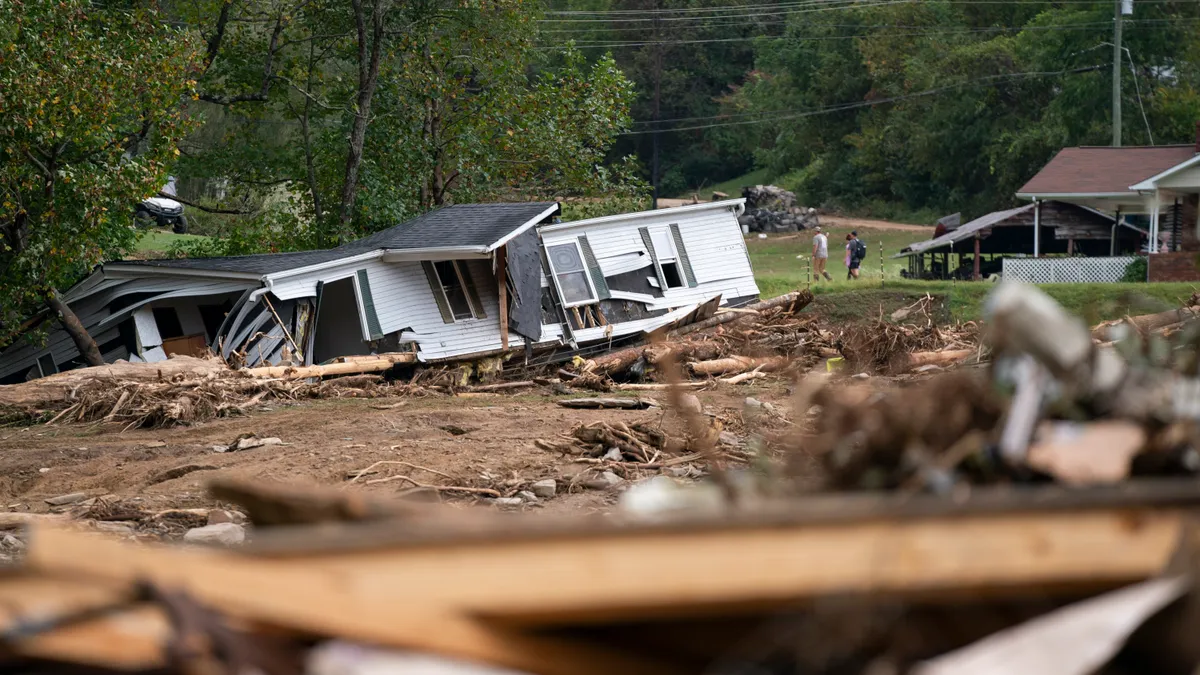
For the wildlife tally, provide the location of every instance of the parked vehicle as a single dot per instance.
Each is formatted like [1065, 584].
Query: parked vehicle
[160, 211]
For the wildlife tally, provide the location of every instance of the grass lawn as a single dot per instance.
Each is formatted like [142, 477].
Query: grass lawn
[732, 187]
[156, 240]
[777, 271]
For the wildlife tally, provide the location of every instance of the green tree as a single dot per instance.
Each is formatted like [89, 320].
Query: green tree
[92, 102]
[368, 114]
[952, 106]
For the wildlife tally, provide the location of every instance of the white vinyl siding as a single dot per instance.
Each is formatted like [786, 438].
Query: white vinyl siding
[714, 242]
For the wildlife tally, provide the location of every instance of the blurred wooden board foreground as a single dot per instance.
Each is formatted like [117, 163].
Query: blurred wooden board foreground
[477, 592]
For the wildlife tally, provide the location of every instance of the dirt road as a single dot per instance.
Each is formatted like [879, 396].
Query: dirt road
[840, 222]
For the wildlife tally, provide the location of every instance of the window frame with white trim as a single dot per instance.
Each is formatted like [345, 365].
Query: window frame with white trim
[583, 271]
[465, 284]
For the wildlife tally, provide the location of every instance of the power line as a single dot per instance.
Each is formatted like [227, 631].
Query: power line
[734, 11]
[809, 3]
[865, 5]
[722, 24]
[826, 38]
[841, 107]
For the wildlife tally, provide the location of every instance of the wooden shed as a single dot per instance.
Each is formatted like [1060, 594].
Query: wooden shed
[976, 249]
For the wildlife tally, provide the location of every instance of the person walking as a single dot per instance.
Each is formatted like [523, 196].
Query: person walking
[846, 261]
[820, 255]
[858, 251]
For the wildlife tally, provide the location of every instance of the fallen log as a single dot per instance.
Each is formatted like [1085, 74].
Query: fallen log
[658, 386]
[797, 299]
[681, 351]
[739, 364]
[373, 364]
[602, 403]
[55, 389]
[1107, 331]
[503, 386]
[615, 362]
[944, 357]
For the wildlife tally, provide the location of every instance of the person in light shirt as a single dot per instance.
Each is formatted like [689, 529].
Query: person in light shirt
[820, 255]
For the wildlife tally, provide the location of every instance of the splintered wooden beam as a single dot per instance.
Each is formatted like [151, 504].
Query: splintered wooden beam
[502, 289]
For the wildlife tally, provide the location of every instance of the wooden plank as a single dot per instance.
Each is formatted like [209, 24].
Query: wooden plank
[622, 577]
[586, 572]
[308, 601]
[502, 289]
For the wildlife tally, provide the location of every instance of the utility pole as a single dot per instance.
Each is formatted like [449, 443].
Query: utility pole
[1123, 8]
[657, 105]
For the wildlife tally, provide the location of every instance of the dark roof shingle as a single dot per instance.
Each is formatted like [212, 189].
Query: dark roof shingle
[454, 226]
[1104, 170]
[449, 226]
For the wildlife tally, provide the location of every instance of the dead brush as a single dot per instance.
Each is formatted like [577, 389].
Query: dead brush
[185, 401]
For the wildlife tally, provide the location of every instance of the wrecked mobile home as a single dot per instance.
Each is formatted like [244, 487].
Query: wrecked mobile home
[460, 282]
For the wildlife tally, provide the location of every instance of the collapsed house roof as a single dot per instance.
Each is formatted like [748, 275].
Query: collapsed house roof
[464, 280]
[1060, 222]
[963, 232]
[461, 228]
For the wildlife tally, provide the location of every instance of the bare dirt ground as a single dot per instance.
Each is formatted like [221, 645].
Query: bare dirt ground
[829, 221]
[326, 442]
[841, 222]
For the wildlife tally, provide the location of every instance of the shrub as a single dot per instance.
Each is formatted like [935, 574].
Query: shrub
[1135, 271]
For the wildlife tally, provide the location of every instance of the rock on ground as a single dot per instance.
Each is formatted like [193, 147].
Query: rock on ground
[544, 489]
[220, 534]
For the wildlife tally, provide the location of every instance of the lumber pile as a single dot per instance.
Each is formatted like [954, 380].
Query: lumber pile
[184, 389]
[774, 337]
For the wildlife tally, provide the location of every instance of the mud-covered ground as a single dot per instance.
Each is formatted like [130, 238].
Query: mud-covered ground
[327, 442]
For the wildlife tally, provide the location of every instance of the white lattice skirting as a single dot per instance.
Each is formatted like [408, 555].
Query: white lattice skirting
[1066, 270]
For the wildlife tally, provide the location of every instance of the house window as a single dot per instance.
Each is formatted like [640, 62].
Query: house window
[570, 274]
[457, 288]
[668, 258]
[45, 364]
[167, 320]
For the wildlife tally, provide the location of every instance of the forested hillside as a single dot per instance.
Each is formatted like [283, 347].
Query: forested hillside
[938, 104]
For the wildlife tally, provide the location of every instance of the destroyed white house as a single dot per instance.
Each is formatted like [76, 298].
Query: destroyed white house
[464, 281]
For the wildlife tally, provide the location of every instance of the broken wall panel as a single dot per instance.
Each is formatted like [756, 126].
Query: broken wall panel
[102, 308]
[523, 258]
[635, 281]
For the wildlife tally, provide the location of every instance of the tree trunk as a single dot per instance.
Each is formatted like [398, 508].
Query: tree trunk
[739, 364]
[942, 358]
[74, 327]
[797, 301]
[369, 57]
